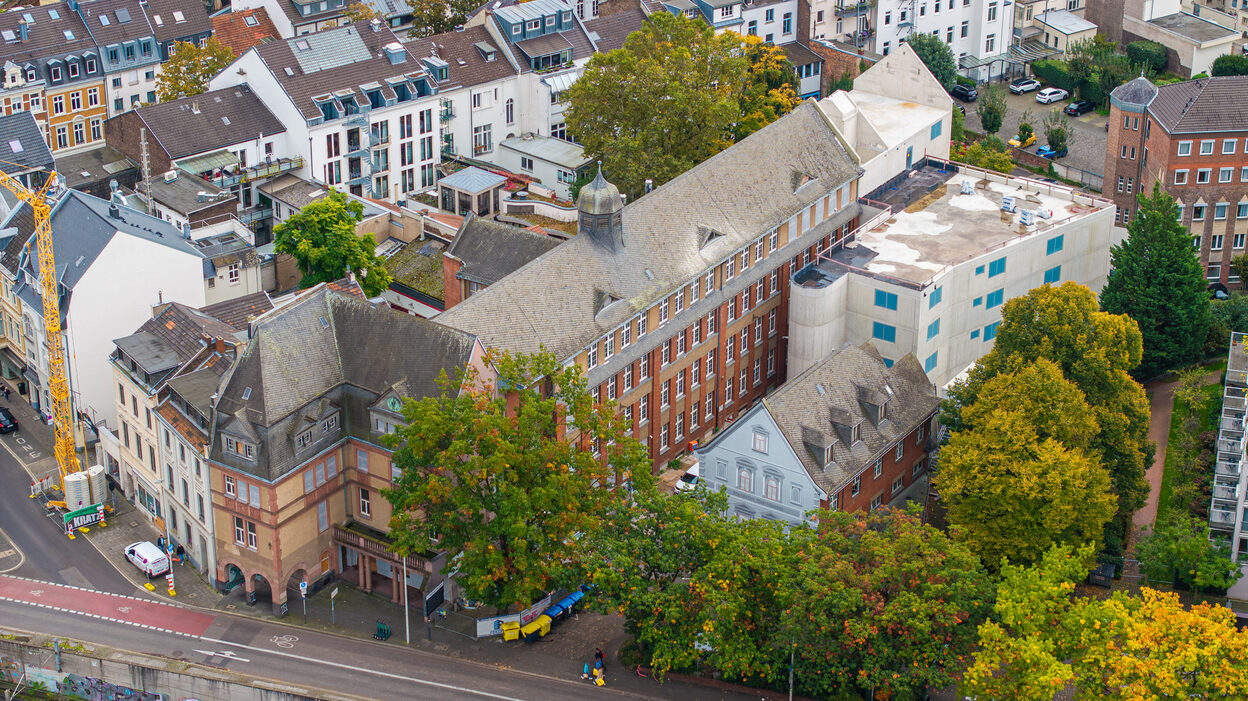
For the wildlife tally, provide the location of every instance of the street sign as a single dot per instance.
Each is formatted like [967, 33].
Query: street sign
[303, 590]
[334, 594]
[435, 598]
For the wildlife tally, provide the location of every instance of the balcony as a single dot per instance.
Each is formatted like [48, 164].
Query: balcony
[260, 171]
[447, 113]
[1222, 519]
[358, 178]
[1224, 492]
[848, 10]
[252, 216]
[1226, 468]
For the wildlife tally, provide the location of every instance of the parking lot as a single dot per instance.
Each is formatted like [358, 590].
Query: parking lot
[1088, 139]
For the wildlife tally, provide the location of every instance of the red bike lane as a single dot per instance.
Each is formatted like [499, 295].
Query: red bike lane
[112, 607]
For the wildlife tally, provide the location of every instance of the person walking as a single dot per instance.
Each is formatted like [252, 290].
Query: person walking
[600, 658]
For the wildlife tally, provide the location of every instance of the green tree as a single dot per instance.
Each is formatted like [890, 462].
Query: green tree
[1057, 131]
[1025, 130]
[1096, 351]
[958, 131]
[881, 601]
[1239, 268]
[1020, 476]
[1158, 281]
[189, 69]
[769, 90]
[1148, 53]
[991, 109]
[1042, 639]
[937, 56]
[1230, 64]
[986, 153]
[360, 12]
[673, 96]
[1179, 552]
[321, 237]
[489, 478]
[1230, 314]
[431, 17]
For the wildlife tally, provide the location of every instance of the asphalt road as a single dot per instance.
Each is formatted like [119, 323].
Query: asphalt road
[35, 546]
[299, 658]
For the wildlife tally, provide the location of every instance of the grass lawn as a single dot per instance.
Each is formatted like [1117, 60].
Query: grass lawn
[1211, 404]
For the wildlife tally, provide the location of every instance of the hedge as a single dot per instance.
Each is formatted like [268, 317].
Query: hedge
[1148, 53]
[1054, 73]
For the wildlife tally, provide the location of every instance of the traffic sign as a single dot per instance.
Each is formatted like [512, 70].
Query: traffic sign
[303, 589]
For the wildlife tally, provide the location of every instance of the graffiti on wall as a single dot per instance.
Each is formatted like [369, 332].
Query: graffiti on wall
[93, 689]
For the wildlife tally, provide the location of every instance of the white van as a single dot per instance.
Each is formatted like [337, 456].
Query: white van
[148, 558]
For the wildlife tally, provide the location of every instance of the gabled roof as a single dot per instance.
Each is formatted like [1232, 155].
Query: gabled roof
[323, 341]
[208, 122]
[550, 302]
[22, 147]
[46, 37]
[816, 406]
[1205, 105]
[240, 311]
[491, 250]
[334, 61]
[117, 21]
[466, 64]
[165, 14]
[243, 29]
[609, 31]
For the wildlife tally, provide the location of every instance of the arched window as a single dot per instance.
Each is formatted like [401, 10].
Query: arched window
[511, 111]
[745, 479]
[772, 488]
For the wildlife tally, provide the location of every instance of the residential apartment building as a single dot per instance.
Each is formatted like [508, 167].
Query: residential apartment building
[128, 51]
[296, 457]
[850, 434]
[774, 21]
[24, 155]
[355, 103]
[297, 17]
[1192, 41]
[176, 341]
[675, 305]
[1183, 136]
[1027, 14]
[1228, 508]
[978, 32]
[117, 264]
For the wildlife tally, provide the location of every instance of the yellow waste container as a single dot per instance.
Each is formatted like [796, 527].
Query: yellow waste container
[511, 630]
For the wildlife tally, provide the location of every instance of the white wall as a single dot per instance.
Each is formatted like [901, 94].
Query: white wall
[117, 292]
[758, 13]
[202, 545]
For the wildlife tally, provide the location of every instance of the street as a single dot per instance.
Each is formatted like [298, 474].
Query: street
[304, 659]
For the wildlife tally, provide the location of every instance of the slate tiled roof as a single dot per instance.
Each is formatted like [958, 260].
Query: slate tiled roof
[232, 30]
[184, 426]
[173, 337]
[207, 122]
[194, 18]
[22, 147]
[326, 66]
[1139, 91]
[609, 31]
[454, 47]
[1205, 105]
[805, 406]
[125, 19]
[740, 192]
[239, 312]
[46, 37]
[328, 349]
[23, 220]
[492, 250]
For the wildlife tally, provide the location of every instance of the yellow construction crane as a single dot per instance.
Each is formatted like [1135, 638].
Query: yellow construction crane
[58, 385]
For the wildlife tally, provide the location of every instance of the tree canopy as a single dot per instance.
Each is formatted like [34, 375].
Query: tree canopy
[431, 17]
[1125, 648]
[936, 55]
[991, 109]
[1179, 551]
[1230, 64]
[1096, 351]
[1158, 281]
[1021, 476]
[488, 477]
[676, 94]
[321, 237]
[189, 69]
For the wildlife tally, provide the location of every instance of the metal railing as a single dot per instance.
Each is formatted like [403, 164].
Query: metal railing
[259, 171]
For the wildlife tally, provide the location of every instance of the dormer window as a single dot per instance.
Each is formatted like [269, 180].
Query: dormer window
[827, 454]
[330, 423]
[242, 449]
[883, 411]
[303, 440]
[534, 25]
[855, 433]
[515, 30]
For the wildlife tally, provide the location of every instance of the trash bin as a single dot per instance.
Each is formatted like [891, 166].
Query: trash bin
[511, 630]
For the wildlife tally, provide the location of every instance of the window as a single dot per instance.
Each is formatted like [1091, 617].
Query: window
[887, 300]
[1198, 212]
[663, 437]
[786, 26]
[1241, 211]
[876, 502]
[1180, 177]
[1219, 214]
[1206, 147]
[929, 364]
[1053, 275]
[992, 12]
[771, 488]
[933, 329]
[1228, 145]
[665, 395]
[990, 331]
[760, 442]
[1185, 148]
[990, 44]
[855, 487]
[592, 359]
[366, 506]
[1053, 245]
[229, 486]
[1225, 174]
[771, 323]
[240, 531]
[322, 516]
[1243, 172]
[884, 332]
[935, 130]
[1215, 242]
[995, 298]
[966, 26]
[771, 362]
[934, 298]
[745, 479]
[1238, 241]
[996, 267]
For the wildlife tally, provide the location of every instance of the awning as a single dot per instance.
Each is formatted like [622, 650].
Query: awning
[208, 162]
[544, 45]
[14, 359]
[561, 82]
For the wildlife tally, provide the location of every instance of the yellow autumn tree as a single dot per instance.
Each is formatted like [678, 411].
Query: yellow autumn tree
[770, 88]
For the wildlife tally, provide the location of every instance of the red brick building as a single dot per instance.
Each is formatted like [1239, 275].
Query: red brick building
[1192, 137]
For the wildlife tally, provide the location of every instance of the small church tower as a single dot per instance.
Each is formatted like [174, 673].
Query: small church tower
[601, 213]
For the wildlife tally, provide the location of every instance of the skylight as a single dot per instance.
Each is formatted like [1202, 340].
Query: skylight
[246, 393]
[251, 21]
[69, 36]
[8, 35]
[104, 20]
[159, 22]
[178, 17]
[226, 120]
[123, 15]
[54, 14]
[15, 146]
[303, 45]
[30, 19]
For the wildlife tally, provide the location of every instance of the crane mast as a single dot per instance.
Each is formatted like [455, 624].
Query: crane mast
[58, 385]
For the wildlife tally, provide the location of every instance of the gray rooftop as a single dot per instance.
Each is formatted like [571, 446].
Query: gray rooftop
[549, 149]
[197, 388]
[22, 147]
[535, 9]
[151, 353]
[330, 49]
[86, 167]
[609, 31]
[1194, 28]
[804, 408]
[553, 301]
[473, 179]
[209, 122]
[1066, 21]
[1205, 105]
[466, 64]
[187, 194]
[240, 311]
[491, 250]
[293, 190]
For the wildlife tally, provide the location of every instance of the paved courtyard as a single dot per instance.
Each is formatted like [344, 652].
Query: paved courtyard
[1087, 149]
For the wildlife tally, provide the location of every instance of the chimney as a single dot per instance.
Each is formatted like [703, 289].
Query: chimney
[218, 345]
[186, 230]
[23, 30]
[114, 211]
[396, 53]
[375, 24]
[649, 185]
[195, 107]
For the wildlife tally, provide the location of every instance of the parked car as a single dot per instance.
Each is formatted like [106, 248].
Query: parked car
[1022, 85]
[148, 558]
[1048, 152]
[1049, 95]
[1079, 107]
[1019, 142]
[8, 424]
[689, 480]
[964, 93]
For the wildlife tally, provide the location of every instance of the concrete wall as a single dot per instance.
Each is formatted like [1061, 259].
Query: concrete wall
[143, 678]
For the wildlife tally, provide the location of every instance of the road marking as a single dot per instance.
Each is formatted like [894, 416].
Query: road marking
[8, 553]
[286, 641]
[226, 654]
[353, 668]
